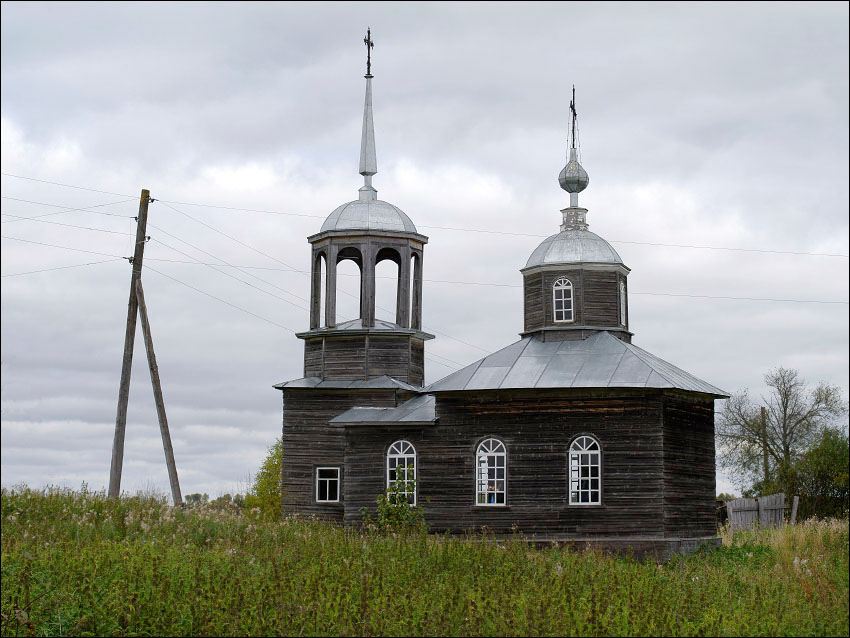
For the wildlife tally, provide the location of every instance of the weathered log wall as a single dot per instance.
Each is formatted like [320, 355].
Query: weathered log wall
[689, 469]
[365, 356]
[309, 441]
[596, 302]
[537, 430]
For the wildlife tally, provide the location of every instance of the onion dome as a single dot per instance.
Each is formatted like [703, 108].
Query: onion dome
[573, 177]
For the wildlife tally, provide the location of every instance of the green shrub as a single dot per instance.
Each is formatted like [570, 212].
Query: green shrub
[265, 494]
[395, 513]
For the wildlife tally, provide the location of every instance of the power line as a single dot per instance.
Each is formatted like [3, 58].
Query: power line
[670, 294]
[253, 314]
[631, 292]
[82, 188]
[203, 292]
[223, 262]
[214, 267]
[86, 209]
[45, 221]
[91, 263]
[535, 235]
[453, 228]
[483, 283]
[241, 281]
[288, 266]
[238, 241]
[79, 250]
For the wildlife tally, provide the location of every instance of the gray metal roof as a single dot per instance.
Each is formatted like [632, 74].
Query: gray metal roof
[379, 383]
[600, 361]
[357, 324]
[418, 410]
[369, 215]
[573, 246]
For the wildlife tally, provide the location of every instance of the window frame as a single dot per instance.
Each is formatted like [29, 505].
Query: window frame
[589, 451]
[622, 303]
[338, 480]
[503, 454]
[390, 455]
[559, 285]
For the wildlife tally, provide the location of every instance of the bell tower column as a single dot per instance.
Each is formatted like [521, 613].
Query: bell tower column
[402, 303]
[330, 286]
[416, 319]
[367, 287]
[315, 289]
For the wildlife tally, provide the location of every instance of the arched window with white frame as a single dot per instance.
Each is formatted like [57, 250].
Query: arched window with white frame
[585, 472]
[622, 303]
[562, 298]
[401, 470]
[491, 481]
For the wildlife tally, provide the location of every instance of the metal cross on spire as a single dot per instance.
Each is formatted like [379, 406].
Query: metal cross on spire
[369, 46]
[573, 110]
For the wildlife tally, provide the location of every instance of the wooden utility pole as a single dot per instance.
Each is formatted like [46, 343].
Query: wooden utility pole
[764, 456]
[157, 396]
[137, 299]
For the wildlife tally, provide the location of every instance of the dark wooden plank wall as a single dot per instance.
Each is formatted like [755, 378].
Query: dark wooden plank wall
[596, 298]
[313, 358]
[388, 355]
[533, 301]
[537, 430]
[310, 441]
[689, 468]
[345, 358]
[601, 298]
[417, 362]
[365, 357]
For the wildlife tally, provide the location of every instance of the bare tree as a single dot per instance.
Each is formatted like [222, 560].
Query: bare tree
[753, 440]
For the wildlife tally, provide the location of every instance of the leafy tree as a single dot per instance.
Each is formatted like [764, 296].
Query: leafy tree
[725, 496]
[265, 492]
[755, 444]
[196, 499]
[819, 477]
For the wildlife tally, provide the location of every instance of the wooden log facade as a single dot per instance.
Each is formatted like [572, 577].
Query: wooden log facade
[310, 442]
[657, 451]
[596, 300]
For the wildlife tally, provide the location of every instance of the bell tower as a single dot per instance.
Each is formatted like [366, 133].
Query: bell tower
[366, 231]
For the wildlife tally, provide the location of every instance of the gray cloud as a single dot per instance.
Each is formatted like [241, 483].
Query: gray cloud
[710, 124]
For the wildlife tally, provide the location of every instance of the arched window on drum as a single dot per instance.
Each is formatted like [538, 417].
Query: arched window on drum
[585, 472]
[401, 470]
[491, 481]
[562, 300]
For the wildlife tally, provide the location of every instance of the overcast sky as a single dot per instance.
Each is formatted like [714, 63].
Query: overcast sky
[721, 125]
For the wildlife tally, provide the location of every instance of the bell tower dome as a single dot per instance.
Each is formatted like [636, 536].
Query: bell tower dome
[575, 283]
[367, 231]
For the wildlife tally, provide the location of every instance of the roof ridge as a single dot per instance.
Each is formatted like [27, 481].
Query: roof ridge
[661, 367]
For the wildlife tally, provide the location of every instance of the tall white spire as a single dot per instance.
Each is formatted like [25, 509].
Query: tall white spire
[368, 160]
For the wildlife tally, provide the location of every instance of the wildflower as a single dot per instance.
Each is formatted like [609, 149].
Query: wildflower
[749, 554]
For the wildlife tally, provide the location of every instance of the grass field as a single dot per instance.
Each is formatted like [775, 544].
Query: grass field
[75, 563]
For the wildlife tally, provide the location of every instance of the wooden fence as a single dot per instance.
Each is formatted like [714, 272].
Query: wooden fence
[768, 511]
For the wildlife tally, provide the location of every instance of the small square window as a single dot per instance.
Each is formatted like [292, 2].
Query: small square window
[327, 485]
